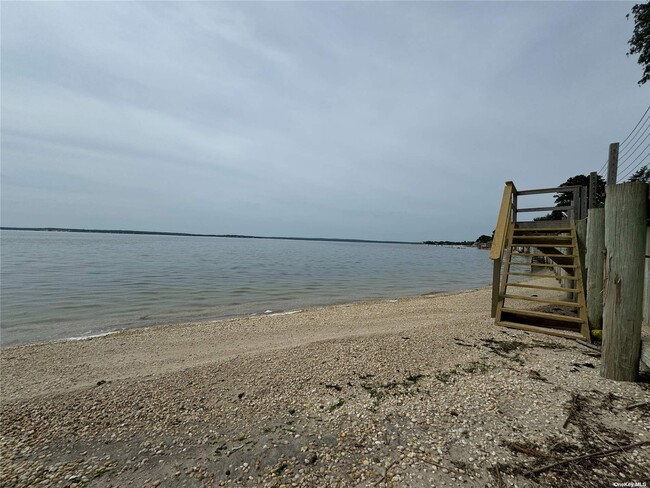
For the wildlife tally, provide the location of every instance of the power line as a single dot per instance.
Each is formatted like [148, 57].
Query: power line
[630, 173]
[630, 150]
[638, 165]
[603, 167]
[637, 124]
[630, 155]
[638, 137]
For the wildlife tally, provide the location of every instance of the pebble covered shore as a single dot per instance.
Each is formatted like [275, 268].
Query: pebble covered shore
[423, 391]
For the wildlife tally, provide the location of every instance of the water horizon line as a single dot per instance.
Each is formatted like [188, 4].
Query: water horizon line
[190, 234]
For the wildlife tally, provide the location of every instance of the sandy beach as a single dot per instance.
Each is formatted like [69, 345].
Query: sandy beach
[422, 391]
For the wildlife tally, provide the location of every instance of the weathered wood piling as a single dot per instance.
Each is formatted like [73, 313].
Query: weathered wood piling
[625, 245]
[594, 263]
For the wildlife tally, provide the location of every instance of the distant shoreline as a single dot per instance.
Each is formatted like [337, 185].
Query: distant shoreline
[185, 234]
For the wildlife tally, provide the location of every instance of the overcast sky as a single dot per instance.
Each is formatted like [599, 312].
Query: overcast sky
[397, 121]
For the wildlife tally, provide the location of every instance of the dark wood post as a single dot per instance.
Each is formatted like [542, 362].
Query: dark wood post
[625, 236]
[593, 189]
[612, 164]
[575, 204]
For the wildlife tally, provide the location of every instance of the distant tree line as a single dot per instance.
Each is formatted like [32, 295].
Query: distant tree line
[448, 243]
[483, 239]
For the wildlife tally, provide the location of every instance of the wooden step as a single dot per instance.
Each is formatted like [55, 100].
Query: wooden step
[542, 229]
[550, 301]
[539, 246]
[570, 269]
[543, 255]
[543, 238]
[553, 251]
[562, 257]
[549, 243]
[539, 275]
[561, 260]
[545, 243]
[550, 230]
[542, 315]
[543, 330]
[543, 265]
[549, 288]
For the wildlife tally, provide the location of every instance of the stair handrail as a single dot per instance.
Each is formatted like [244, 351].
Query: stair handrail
[576, 210]
[503, 221]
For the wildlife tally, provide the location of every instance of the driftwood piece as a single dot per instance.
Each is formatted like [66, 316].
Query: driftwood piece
[637, 405]
[384, 477]
[498, 477]
[598, 454]
[586, 344]
[235, 449]
[527, 450]
[573, 409]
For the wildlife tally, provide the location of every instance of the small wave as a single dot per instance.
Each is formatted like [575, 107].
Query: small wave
[92, 336]
[291, 312]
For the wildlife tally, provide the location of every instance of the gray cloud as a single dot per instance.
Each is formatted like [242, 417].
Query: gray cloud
[366, 120]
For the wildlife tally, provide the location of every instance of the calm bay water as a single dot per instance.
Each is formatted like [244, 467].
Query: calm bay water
[58, 285]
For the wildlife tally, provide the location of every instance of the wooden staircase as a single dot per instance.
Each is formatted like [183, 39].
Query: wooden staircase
[549, 313]
[536, 306]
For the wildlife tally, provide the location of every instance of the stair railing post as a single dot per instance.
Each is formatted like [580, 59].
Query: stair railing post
[499, 242]
[496, 285]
